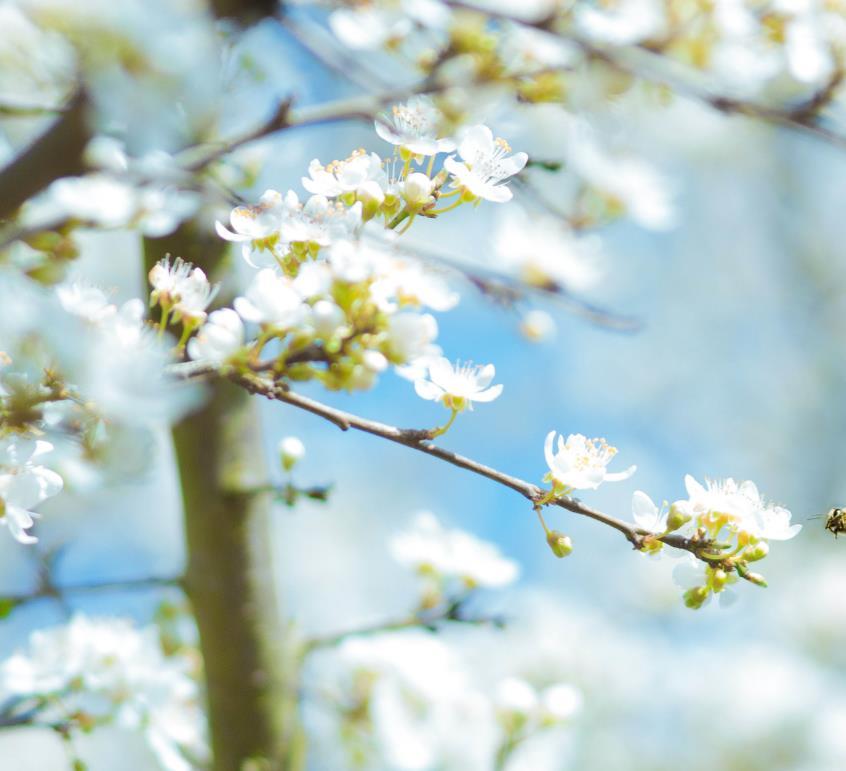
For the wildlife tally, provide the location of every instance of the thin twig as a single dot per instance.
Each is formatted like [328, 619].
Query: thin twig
[324, 47]
[417, 439]
[418, 621]
[52, 590]
[800, 118]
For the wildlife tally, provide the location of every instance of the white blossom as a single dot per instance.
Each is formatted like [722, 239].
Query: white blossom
[646, 514]
[318, 220]
[544, 252]
[626, 181]
[328, 320]
[538, 326]
[485, 165]
[560, 702]
[221, 337]
[514, 696]
[109, 670]
[458, 386]
[408, 282]
[580, 463]
[255, 227]
[737, 505]
[348, 176]
[24, 484]
[429, 547]
[86, 301]
[291, 451]
[414, 126]
[410, 336]
[181, 287]
[623, 22]
[272, 300]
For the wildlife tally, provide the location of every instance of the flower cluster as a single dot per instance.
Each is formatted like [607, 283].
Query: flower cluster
[334, 298]
[181, 290]
[93, 672]
[523, 710]
[730, 525]
[24, 484]
[452, 562]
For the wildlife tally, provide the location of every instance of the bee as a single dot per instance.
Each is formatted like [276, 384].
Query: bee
[835, 521]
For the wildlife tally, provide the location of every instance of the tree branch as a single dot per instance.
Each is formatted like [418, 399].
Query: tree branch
[417, 439]
[450, 613]
[56, 153]
[49, 589]
[800, 118]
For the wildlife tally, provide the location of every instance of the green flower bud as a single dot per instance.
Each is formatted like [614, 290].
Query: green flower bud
[676, 518]
[372, 197]
[695, 598]
[560, 544]
[756, 578]
[718, 579]
[756, 552]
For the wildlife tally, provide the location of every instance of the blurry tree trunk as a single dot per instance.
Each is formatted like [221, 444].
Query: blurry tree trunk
[229, 576]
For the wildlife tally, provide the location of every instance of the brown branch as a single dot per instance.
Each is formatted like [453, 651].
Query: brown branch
[49, 589]
[417, 439]
[56, 153]
[800, 118]
[451, 612]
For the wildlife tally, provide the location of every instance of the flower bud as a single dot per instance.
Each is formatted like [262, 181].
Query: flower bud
[417, 190]
[516, 701]
[560, 702]
[327, 319]
[719, 577]
[537, 326]
[676, 518]
[375, 361]
[560, 544]
[756, 552]
[372, 196]
[291, 451]
[695, 598]
[756, 578]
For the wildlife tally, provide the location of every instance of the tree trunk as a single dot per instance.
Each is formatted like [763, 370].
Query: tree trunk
[229, 577]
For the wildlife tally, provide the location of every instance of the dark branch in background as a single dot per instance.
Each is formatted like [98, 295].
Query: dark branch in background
[47, 589]
[644, 64]
[452, 612]
[56, 153]
[509, 290]
[417, 439]
[244, 11]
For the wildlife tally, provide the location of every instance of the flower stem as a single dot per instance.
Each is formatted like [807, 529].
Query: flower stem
[430, 166]
[452, 206]
[398, 219]
[163, 321]
[187, 329]
[540, 517]
[407, 225]
[445, 427]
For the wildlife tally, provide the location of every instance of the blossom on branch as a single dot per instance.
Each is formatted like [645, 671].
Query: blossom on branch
[220, 338]
[414, 127]
[485, 165]
[457, 387]
[23, 485]
[432, 550]
[580, 463]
